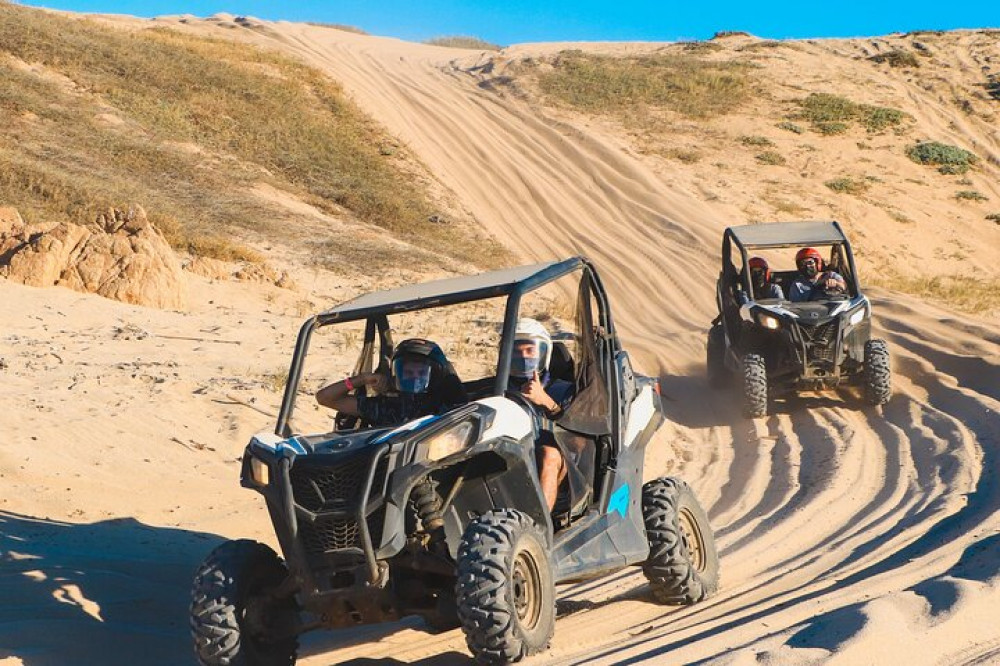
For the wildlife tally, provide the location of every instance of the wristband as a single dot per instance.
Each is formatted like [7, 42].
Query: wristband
[349, 384]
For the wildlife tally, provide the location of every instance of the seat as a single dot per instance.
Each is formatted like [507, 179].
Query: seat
[561, 365]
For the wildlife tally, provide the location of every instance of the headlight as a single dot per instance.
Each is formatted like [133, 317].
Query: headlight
[260, 472]
[767, 321]
[450, 441]
[857, 317]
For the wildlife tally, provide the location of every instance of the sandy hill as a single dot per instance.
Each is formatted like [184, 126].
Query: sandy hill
[848, 534]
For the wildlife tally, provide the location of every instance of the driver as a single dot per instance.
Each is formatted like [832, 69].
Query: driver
[529, 375]
[422, 382]
[812, 282]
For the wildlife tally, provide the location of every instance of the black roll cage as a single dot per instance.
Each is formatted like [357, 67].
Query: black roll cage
[731, 237]
[377, 318]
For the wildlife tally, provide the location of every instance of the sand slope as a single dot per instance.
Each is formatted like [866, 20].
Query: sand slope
[848, 534]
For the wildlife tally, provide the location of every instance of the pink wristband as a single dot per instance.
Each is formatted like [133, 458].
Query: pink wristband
[349, 384]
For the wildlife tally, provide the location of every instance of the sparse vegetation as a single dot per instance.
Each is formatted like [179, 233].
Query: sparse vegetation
[833, 114]
[186, 126]
[684, 84]
[770, 157]
[971, 195]
[685, 155]
[897, 57]
[994, 217]
[964, 293]
[339, 26]
[463, 42]
[790, 127]
[756, 141]
[951, 160]
[847, 185]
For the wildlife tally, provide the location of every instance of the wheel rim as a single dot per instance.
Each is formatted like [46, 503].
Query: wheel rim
[693, 539]
[525, 584]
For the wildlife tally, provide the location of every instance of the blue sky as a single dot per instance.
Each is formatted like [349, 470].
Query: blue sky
[513, 21]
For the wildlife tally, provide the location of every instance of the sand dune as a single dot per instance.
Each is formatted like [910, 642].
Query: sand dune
[848, 534]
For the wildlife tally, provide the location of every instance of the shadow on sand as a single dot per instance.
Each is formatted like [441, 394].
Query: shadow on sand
[110, 592]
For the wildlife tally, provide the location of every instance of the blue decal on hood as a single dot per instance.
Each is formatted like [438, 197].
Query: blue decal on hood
[619, 501]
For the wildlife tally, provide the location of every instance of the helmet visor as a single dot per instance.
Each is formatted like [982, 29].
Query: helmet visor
[529, 357]
[412, 374]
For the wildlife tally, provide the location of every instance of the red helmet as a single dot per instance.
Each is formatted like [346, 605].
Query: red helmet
[809, 253]
[761, 263]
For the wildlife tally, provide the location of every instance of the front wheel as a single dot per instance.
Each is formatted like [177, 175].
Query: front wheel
[235, 620]
[505, 590]
[754, 386]
[683, 564]
[878, 375]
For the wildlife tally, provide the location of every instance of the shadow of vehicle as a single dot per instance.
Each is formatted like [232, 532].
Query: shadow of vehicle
[109, 592]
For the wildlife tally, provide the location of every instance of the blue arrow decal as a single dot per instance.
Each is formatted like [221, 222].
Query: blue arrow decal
[619, 501]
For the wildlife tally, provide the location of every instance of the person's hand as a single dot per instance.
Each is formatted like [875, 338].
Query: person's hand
[536, 394]
[834, 284]
[376, 380]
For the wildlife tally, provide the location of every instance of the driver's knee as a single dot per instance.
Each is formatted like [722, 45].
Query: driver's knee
[551, 460]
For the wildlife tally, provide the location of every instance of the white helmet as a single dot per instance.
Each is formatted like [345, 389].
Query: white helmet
[531, 331]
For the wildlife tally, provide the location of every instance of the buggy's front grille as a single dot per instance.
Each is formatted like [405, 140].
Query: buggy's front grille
[334, 493]
[821, 342]
[330, 533]
[317, 488]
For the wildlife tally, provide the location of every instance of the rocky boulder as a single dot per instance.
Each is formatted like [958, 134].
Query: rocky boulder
[120, 256]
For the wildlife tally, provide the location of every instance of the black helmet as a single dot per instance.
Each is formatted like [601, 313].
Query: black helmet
[418, 364]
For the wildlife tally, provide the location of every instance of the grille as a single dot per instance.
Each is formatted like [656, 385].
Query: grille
[325, 489]
[330, 534]
[318, 488]
[821, 341]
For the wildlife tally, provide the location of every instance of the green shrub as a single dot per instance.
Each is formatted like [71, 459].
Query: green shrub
[684, 84]
[833, 114]
[831, 127]
[971, 195]
[464, 42]
[897, 57]
[756, 141]
[954, 170]
[958, 160]
[790, 127]
[771, 157]
[847, 185]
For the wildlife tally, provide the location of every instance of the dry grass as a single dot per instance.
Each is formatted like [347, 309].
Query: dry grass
[771, 158]
[847, 185]
[96, 117]
[339, 26]
[960, 292]
[464, 42]
[684, 84]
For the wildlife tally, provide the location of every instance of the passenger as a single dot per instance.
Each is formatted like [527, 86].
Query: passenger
[812, 282]
[760, 280]
[422, 382]
[529, 374]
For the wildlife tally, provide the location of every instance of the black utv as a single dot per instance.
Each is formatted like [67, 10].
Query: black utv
[781, 332]
[444, 516]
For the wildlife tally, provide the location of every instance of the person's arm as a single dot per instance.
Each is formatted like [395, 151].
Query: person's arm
[538, 396]
[337, 396]
[777, 292]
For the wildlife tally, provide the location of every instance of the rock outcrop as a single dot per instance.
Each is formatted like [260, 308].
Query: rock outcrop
[120, 256]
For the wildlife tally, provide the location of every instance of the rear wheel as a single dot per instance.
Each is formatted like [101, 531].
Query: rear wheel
[878, 375]
[754, 386]
[715, 360]
[234, 619]
[683, 565]
[505, 591]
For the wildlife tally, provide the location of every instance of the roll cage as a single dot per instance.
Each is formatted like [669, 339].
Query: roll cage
[778, 235]
[512, 283]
